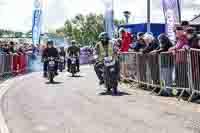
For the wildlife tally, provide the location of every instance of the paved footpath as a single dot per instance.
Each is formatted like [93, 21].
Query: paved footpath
[74, 106]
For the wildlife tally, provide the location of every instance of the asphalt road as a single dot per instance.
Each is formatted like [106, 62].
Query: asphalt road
[74, 105]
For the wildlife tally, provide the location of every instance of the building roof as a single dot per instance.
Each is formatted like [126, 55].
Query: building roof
[195, 20]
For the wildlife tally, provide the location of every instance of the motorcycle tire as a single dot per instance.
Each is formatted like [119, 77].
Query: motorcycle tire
[51, 77]
[73, 74]
[73, 70]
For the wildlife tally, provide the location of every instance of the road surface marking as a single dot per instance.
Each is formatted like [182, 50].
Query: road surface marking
[3, 89]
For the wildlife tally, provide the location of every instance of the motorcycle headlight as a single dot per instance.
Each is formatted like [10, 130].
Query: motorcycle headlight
[95, 57]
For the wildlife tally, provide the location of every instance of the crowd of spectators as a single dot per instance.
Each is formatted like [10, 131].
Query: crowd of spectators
[11, 47]
[147, 43]
[186, 38]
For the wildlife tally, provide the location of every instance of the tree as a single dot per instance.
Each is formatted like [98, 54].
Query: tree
[18, 34]
[85, 29]
[119, 22]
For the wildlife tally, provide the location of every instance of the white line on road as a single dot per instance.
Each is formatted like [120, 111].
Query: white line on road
[3, 89]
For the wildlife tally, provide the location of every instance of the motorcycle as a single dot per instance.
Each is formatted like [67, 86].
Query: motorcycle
[73, 68]
[110, 75]
[51, 68]
[61, 64]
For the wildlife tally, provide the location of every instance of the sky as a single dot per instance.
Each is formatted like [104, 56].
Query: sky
[17, 14]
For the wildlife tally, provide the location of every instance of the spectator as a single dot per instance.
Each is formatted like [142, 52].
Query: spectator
[164, 44]
[1, 47]
[194, 41]
[180, 58]
[126, 40]
[140, 43]
[12, 49]
[185, 24]
[182, 41]
[150, 43]
[166, 64]
[6, 49]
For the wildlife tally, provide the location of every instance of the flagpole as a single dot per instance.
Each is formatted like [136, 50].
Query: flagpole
[179, 10]
[113, 18]
[148, 15]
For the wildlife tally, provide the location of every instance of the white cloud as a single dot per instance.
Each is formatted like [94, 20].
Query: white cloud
[17, 14]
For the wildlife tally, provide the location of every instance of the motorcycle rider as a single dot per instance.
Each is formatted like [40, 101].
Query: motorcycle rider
[62, 53]
[49, 51]
[103, 48]
[73, 50]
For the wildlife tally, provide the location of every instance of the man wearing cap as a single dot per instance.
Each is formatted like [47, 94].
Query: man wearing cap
[185, 24]
[193, 39]
[182, 41]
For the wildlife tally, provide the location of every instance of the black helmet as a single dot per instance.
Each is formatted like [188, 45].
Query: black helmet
[103, 36]
[73, 42]
[50, 42]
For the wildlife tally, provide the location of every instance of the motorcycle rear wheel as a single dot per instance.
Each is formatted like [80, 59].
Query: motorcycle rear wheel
[51, 77]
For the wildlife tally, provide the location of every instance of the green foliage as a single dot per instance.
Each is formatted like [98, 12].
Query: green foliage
[18, 34]
[85, 29]
[6, 32]
[10, 33]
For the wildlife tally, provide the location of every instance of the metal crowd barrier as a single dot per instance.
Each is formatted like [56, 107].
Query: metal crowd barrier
[14, 64]
[178, 70]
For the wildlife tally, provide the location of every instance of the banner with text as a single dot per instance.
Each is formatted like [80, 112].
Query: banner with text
[36, 26]
[172, 16]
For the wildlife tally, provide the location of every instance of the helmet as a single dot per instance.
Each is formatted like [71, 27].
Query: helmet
[50, 42]
[103, 36]
[121, 30]
[73, 42]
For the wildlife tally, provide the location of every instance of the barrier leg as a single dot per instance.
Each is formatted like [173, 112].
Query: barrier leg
[182, 92]
[190, 98]
[154, 89]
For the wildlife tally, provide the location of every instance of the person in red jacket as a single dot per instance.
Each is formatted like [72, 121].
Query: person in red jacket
[125, 45]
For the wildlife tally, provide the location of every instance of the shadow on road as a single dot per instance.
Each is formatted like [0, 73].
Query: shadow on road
[76, 76]
[54, 83]
[111, 94]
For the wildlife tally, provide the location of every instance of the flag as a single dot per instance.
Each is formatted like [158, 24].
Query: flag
[108, 19]
[171, 9]
[36, 24]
